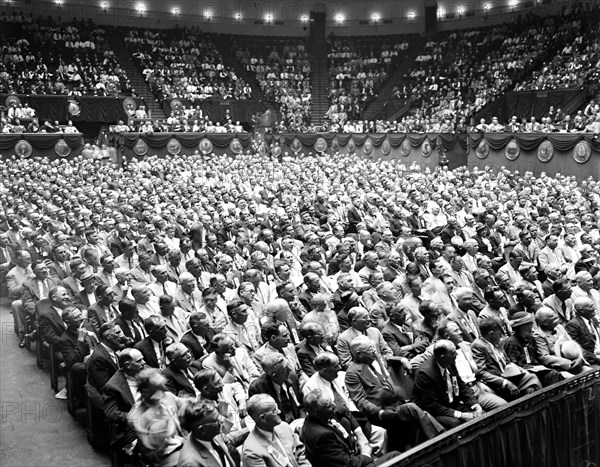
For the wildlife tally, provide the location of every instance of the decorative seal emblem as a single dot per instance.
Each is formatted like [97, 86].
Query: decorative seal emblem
[582, 152]
[483, 149]
[320, 145]
[368, 146]
[173, 147]
[61, 148]
[386, 148]
[74, 109]
[140, 148]
[235, 146]
[351, 147]
[426, 148]
[129, 104]
[205, 146]
[405, 148]
[12, 99]
[545, 151]
[296, 146]
[276, 150]
[23, 148]
[512, 150]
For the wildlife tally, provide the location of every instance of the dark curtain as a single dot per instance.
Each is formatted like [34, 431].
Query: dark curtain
[241, 111]
[92, 109]
[526, 104]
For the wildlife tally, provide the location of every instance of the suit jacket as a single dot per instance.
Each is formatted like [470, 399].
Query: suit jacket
[118, 398]
[81, 300]
[590, 267]
[177, 382]
[579, 332]
[194, 454]
[430, 391]
[146, 347]
[31, 294]
[182, 300]
[264, 385]
[354, 218]
[365, 387]
[191, 342]
[257, 450]
[72, 350]
[345, 338]
[554, 302]
[119, 321]
[71, 284]
[56, 271]
[97, 316]
[490, 368]
[100, 368]
[397, 338]
[326, 447]
[306, 356]
[462, 324]
[51, 325]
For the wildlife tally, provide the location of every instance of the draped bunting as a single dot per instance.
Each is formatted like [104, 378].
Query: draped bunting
[359, 140]
[215, 110]
[396, 139]
[91, 108]
[159, 140]
[529, 141]
[416, 140]
[41, 140]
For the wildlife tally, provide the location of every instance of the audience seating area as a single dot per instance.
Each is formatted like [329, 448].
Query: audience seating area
[358, 68]
[41, 56]
[184, 64]
[281, 67]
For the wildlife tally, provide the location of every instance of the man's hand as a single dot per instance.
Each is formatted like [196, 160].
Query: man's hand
[420, 345]
[387, 415]
[512, 389]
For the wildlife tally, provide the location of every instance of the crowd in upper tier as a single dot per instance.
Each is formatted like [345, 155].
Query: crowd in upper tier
[314, 310]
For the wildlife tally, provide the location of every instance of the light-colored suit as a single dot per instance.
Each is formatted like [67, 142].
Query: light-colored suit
[258, 450]
[343, 344]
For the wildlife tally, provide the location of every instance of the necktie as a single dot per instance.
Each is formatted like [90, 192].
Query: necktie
[449, 388]
[221, 454]
[164, 289]
[136, 333]
[337, 397]
[130, 262]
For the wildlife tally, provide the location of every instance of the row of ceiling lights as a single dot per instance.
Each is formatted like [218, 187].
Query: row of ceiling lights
[141, 8]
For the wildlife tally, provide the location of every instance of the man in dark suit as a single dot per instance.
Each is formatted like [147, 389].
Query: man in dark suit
[129, 322]
[355, 216]
[103, 363]
[585, 329]
[71, 282]
[281, 384]
[440, 391]
[330, 443]
[151, 347]
[376, 396]
[32, 291]
[104, 310]
[400, 335]
[118, 397]
[59, 268]
[75, 346]
[198, 338]
[49, 311]
[180, 380]
[587, 262]
[311, 346]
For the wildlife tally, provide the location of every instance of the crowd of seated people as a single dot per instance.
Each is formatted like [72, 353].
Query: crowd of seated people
[358, 68]
[184, 64]
[45, 56]
[250, 300]
[576, 64]
[32, 125]
[282, 69]
[461, 72]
